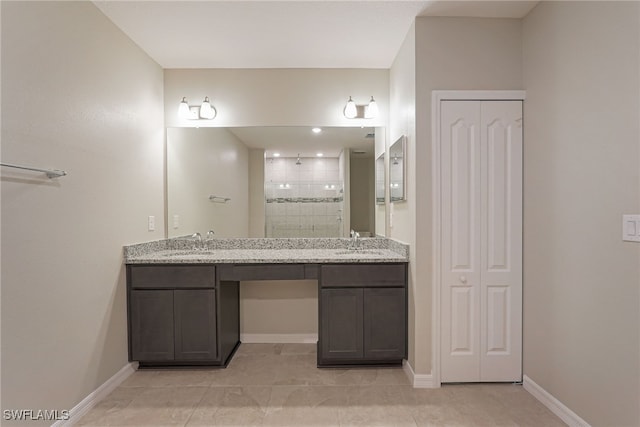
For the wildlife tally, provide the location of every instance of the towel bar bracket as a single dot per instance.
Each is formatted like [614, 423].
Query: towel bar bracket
[50, 173]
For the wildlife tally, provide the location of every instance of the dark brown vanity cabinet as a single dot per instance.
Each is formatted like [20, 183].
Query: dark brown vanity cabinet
[180, 315]
[362, 314]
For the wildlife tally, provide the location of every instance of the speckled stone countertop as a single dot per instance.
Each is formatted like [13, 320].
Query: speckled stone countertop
[266, 250]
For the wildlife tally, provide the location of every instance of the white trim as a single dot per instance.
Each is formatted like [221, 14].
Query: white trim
[418, 380]
[478, 95]
[97, 395]
[561, 410]
[436, 97]
[279, 338]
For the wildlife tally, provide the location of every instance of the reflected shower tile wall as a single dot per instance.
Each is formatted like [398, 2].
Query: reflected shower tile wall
[291, 189]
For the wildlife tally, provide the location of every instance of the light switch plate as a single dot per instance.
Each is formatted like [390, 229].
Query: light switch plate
[151, 223]
[631, 228]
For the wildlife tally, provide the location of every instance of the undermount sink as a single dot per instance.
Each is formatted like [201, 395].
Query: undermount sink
[181, 253]
[356, 252]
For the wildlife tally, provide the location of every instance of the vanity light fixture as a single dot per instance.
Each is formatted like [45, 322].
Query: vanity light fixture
[207, 111]
[361, 111]
[183, 109]
[276, 154]
[371, 110]
[350, 110]
[316, 130]
[194, 112]
[319, 154]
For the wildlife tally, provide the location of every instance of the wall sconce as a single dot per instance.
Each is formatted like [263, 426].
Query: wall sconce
[361, 111]
[195, 112]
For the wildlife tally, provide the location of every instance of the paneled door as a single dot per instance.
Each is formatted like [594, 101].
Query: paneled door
[481, 241]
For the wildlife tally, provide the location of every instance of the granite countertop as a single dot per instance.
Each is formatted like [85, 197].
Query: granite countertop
[266, 250]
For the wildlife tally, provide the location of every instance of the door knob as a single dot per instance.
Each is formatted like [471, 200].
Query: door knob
[463, 279]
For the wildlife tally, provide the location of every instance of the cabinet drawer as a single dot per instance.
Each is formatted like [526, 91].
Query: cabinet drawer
[263, 272]
[363, 275]
[172, 276]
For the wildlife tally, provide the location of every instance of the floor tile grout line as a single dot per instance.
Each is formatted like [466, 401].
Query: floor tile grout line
[196, 407]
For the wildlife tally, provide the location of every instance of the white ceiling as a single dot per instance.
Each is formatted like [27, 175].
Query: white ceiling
[291, 141]
[283, 34]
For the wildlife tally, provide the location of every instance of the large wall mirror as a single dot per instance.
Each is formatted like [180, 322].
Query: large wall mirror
[271, 181]
[397, 170]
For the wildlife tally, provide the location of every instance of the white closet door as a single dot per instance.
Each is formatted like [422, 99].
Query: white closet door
[481, 241]
[460, 181]
[501, 236]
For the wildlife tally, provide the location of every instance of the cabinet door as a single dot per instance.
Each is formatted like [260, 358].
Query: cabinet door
[384, 323]
[152, 325]
[195, 324]
[341, 323]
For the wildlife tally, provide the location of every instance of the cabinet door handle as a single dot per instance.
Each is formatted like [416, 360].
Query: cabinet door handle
[463, 279]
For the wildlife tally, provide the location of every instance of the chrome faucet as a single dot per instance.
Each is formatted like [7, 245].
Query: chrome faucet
[210, 236]
[355, 242]
[197, 237]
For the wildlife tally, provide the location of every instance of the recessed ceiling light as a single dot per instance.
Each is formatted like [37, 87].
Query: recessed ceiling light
[319, 154]
[276, 154]
[316, 130]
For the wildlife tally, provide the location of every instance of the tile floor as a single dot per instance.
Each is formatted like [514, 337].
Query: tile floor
[279, 385]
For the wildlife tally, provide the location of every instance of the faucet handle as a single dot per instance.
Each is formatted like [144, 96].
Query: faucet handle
[210, 234]
[197, 240]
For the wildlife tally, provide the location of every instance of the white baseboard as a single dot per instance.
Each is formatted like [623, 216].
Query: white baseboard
[418, 380]
[279, 338]
[563, 412]
[97, 395]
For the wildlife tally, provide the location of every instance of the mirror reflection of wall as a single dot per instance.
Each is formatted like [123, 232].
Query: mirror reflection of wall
[362, 189]
[380, 176]
[397, 171]
[233, 163]
[200, 163]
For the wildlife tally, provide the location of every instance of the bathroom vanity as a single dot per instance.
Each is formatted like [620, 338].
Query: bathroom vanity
[183, 302]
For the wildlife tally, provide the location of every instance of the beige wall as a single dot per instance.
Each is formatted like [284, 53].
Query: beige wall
[439, 54]
[402, 121]
[581, 281]
[380, 209]
[277, 97]
[203, 162]
[274, 311]
[362, 200]
[80, 96]
[451, 54]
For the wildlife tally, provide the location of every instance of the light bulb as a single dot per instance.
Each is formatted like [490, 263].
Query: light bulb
[372, 109]
[350, 110]
[183, 109]
[206, 110]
